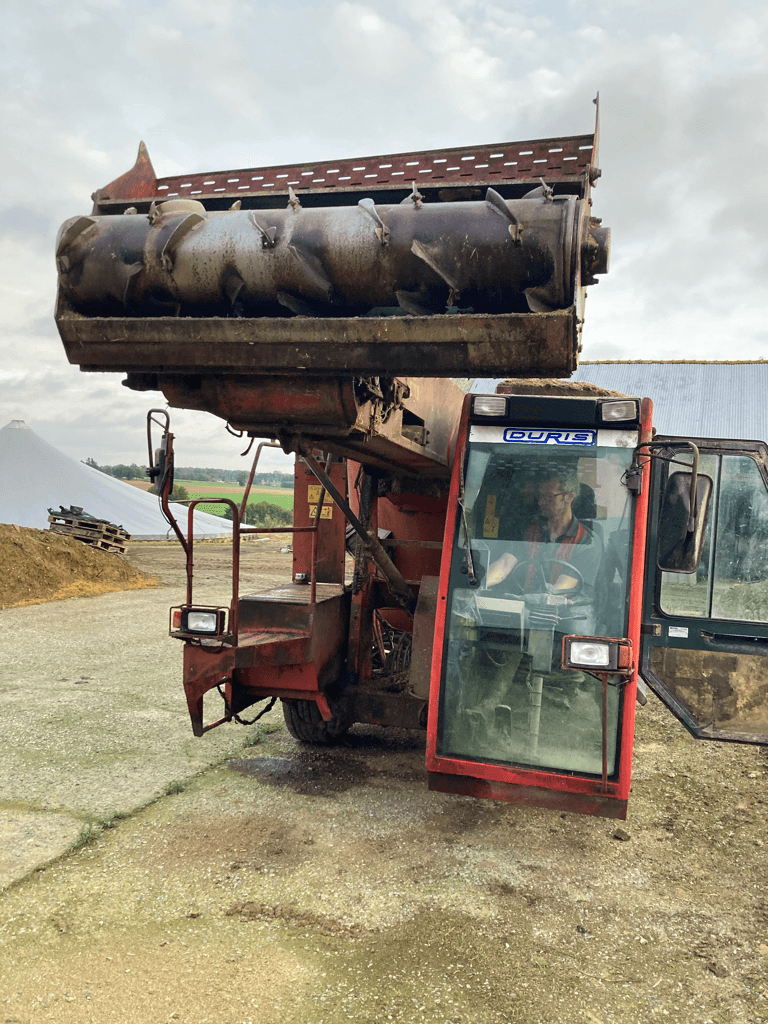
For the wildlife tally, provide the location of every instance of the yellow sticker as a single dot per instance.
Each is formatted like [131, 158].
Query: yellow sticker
[491, 526]
[491, 521]
[313, 494]
[327, 512]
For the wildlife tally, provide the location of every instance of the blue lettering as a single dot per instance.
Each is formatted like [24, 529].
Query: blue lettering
[561, 437]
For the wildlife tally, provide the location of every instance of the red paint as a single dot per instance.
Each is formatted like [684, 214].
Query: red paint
[636, 603]
[329, 556]
[553, 159]
[531, 796]
[524, 785]
[433, 762]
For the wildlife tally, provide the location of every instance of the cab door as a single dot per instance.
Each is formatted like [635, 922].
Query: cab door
[704, 641]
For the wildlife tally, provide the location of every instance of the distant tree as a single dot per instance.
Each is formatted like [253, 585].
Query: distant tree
[207, 475]
[233, 476]
[179, 493]
[263, 513]
[120, 471]
[274, 479]
[123, 472]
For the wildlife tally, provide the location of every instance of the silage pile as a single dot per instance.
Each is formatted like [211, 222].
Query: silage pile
[37, 566]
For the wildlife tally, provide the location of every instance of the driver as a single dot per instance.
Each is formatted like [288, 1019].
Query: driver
[555, 533]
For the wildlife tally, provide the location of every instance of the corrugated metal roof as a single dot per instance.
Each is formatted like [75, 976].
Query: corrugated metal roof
[693, 399]
[690, 399]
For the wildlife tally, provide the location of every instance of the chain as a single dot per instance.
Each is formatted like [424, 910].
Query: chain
[245, 721]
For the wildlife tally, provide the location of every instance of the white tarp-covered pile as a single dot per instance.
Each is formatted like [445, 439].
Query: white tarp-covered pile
[37, 477]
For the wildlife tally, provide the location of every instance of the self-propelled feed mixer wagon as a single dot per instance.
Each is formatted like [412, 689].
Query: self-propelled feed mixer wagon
[504, 571]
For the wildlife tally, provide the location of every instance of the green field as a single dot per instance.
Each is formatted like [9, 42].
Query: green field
[281, 496]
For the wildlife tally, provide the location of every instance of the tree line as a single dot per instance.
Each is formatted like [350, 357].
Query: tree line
[264, 513]
[222, 476]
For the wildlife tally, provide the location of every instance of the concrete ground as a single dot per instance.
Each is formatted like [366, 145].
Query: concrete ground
[281, 884]
[94, 720]
[94, 715]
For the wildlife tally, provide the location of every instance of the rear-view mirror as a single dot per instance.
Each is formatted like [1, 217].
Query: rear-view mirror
[681, 537]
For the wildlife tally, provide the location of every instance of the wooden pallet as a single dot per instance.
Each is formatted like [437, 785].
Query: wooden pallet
[103, 535]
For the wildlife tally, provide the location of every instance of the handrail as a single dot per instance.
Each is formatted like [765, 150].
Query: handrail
[237, 532]
[247, 491]
[235, 554]
[187, 543]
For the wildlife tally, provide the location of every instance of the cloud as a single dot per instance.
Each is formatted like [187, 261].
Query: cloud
[223, 14]
[684, 140]
[23, 221]
[93, 416]
[369, 45]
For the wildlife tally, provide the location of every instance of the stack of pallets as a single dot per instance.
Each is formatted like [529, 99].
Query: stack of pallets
[74, 522]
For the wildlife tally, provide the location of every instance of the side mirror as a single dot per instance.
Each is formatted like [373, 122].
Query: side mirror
[158, 459]
[681, 535]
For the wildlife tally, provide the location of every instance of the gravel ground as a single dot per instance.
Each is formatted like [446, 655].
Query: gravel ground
[287, 884]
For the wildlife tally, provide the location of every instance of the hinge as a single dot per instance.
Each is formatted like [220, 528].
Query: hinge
[633, 479]
[650, 628]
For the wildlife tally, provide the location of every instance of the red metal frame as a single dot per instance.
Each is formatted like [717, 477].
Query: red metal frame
[603, 797]
[626, 668]
[321, 554]
[294, 676]
[559, 159]
[198, 660]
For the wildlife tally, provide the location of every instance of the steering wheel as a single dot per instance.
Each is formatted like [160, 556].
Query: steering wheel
[542, 573]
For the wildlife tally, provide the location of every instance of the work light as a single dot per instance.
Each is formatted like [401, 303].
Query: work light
[597, 654]
[198, 621]
[590, 654]
[489, 405]
[201, 622]
[618, 412]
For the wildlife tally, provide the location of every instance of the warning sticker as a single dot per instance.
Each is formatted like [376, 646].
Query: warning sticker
[313, 494]
[679, 631]
[491, 521]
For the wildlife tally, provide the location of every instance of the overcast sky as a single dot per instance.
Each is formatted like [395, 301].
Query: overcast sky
[214, 84]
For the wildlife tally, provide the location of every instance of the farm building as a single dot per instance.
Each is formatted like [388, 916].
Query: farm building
[693, 399]
[36, 477]
[690, 399]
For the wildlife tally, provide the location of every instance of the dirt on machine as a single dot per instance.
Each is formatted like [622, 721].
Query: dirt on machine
[525, 561]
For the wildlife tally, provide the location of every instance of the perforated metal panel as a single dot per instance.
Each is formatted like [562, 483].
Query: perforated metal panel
[556, 160]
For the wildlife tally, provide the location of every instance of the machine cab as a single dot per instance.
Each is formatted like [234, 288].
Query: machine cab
[549, 603]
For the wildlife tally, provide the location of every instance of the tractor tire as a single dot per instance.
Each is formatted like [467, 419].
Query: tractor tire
[305, 723]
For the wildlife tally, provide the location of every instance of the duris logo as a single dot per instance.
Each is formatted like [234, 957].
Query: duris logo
[578, 438]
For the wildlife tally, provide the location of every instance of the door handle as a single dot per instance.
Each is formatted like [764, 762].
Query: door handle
[733, 638]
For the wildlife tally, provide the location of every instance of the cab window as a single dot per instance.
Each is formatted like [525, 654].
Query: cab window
[731, 581]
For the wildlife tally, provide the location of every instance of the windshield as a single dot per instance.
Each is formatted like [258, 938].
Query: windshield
[545, 532]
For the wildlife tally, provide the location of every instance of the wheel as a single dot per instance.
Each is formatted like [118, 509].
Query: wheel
[542, 568]
[305, 723]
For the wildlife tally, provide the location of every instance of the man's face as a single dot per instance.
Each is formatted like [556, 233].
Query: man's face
[553, 500]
